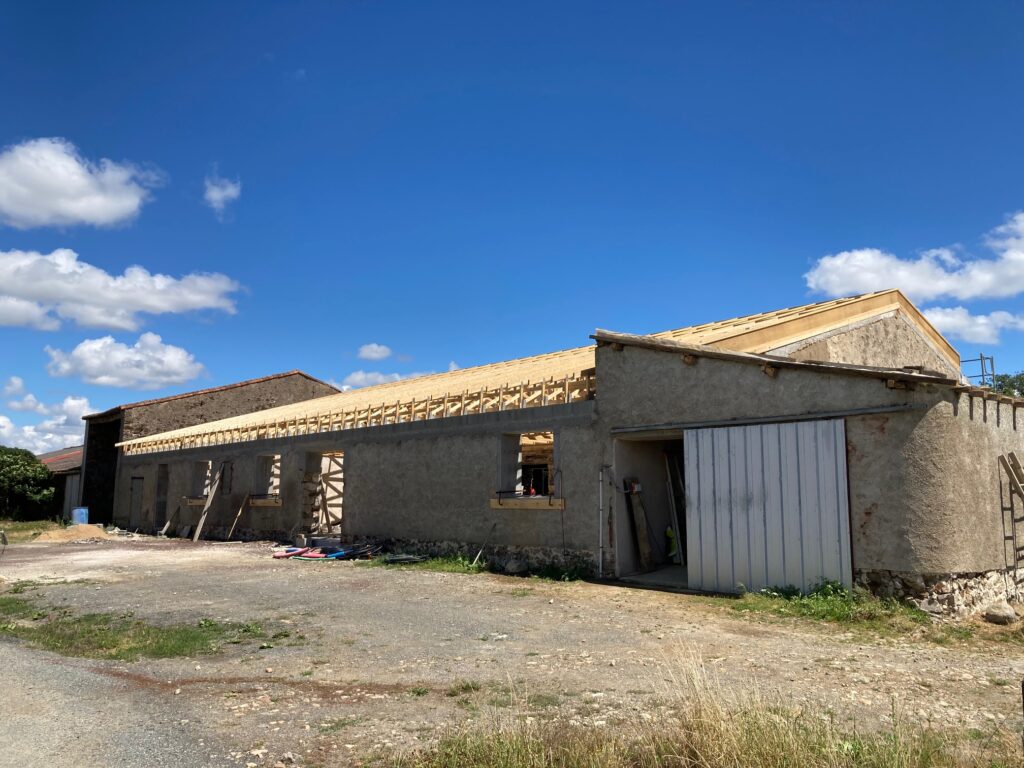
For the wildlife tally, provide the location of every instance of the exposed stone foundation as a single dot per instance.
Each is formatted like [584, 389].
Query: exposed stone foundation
[499, 558]
[952, 594]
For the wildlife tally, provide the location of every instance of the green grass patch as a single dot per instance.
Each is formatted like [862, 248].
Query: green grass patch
[1012, 634]
[461, 687]
[552, 572]
[542, 700]
[448, 564]
[19, 531]
[859, 611]
[339, 724]
[855, 609]
[16, 607]
[106, 636]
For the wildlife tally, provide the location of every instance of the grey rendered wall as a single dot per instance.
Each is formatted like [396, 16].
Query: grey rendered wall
[890, 341]
[638, 387]
[239, 479]
[430, 481]
[924, 488]
[438, 488]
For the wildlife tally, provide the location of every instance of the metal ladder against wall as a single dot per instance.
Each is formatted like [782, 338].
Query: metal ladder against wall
[1012, 496]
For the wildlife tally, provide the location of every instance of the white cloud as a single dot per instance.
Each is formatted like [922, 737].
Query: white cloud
[369, 379]
[933, 274]
[959, 323]
[63, 428]
[358, 379]
[37, 290]
[148, 364]
[19, 312]
[219, 192]
[374, 352]
[453, 366]
[27, 403]
[14, 386]
[46, 182]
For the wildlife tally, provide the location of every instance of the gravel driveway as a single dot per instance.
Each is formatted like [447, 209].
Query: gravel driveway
[372, 657]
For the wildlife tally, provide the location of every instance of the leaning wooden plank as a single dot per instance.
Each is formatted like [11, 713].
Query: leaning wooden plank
[638, 516]
[1015, 485]
[238, 515]
[167, 525]
[209, 502]
[1017, 469]
[674, 511]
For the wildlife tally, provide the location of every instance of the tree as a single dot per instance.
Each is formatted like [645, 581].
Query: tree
[26, 485]
[1009, 383]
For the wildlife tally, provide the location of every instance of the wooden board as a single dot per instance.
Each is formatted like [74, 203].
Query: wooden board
[641, 529]
[528, 502]
[209, 503]
[241, 509]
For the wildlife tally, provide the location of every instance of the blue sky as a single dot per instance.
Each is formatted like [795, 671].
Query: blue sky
[469, 182]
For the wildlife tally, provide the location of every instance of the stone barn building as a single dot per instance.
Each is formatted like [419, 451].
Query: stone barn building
[103, 431]
[835, 441]
[66, 467]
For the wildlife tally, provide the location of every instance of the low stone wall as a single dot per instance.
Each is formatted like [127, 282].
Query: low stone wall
[499, 558]
[951, 594]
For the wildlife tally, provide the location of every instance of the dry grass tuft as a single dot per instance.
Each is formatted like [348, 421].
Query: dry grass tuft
[713, 729]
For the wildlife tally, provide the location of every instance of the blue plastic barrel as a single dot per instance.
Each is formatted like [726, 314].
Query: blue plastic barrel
[80, 516]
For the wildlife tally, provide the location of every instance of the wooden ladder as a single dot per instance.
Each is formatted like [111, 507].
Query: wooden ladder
[1013, 518]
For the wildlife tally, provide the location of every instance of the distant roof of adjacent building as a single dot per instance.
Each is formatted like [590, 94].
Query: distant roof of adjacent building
[753, 333]
[128, 406]
[63, 460]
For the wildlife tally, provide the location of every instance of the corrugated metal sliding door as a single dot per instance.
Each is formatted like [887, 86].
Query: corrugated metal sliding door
[767, 506]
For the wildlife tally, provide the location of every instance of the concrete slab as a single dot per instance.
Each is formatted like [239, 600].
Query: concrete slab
[669, 577]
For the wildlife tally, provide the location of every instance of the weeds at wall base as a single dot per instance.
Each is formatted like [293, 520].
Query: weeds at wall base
[858, 610]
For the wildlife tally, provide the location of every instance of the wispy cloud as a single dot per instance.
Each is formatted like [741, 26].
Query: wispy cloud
[220, 192]
[15, 386]
[62, 427]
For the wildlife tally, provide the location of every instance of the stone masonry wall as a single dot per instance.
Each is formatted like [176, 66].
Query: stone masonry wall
[177, 413]
[953, 594]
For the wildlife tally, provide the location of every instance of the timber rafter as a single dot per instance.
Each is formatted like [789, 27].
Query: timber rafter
[570, 389]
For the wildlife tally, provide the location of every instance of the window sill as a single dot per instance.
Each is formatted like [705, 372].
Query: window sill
[271, 500]
[195, 501]
[528, 502]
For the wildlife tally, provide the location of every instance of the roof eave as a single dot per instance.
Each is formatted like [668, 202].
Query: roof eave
[606, 338]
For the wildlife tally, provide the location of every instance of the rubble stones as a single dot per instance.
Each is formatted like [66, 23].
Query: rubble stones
[948, 594]
[1000, 612]
[499, 557]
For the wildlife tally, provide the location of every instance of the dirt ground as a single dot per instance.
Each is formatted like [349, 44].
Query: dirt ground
[372, 657]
